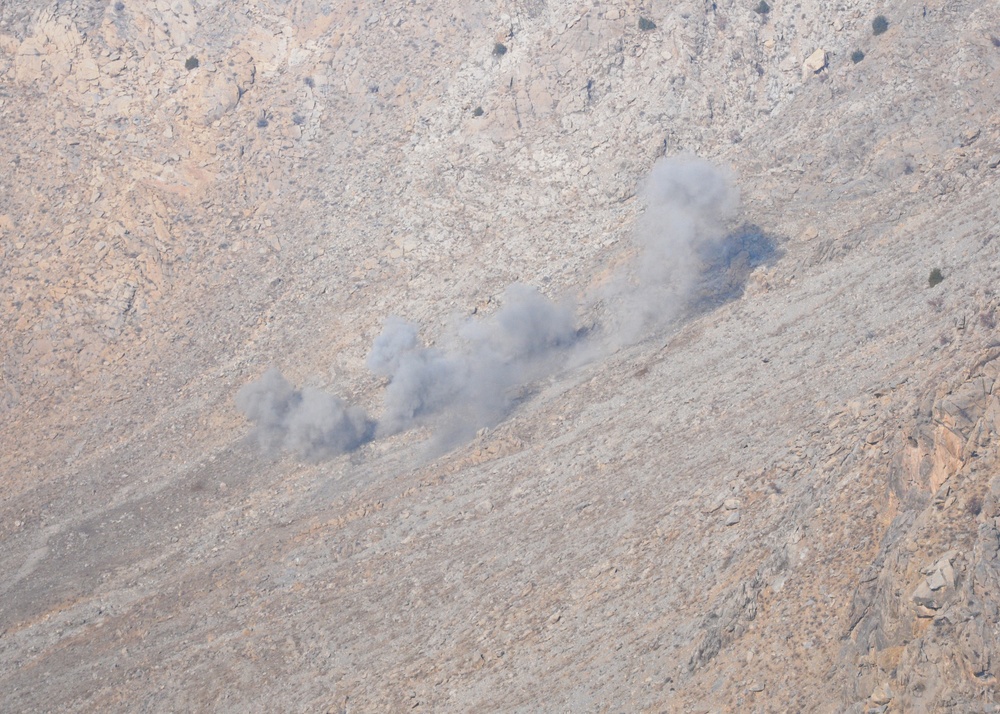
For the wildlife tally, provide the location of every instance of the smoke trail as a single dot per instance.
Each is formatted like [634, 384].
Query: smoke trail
[470, 383]
[468, 387]
[314, 424]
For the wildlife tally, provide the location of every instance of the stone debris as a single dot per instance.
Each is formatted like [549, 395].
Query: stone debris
[715, 502]
[815, 63]
[484, 507]
[881, 695]
[937, 586]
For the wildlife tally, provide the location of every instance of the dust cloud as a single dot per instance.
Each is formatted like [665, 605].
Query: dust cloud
[470, 378]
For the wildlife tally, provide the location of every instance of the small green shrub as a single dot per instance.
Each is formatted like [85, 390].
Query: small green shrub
[646, 25]
[499, 49]
[762, 8]
[935, 277]
[879, 25]
[857, 56]
[192, 63]
[477, 112]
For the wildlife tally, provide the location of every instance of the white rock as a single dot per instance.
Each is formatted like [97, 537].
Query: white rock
[882, 694]
[936, 581]
[815, 62]
[88, 70]
[714, 503]
[484, 507]
[948, 573]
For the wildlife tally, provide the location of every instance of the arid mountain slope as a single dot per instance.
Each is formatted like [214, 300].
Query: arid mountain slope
[784, 500]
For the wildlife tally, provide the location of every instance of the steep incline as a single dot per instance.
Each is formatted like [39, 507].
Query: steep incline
[786, 500]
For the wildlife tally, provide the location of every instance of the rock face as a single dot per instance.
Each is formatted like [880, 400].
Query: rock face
[215, 93]
[784, 498]
[928, 644]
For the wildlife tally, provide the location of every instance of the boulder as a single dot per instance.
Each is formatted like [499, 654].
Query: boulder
[815, 63]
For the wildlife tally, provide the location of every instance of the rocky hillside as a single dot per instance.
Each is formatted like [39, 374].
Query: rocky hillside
[782, 496]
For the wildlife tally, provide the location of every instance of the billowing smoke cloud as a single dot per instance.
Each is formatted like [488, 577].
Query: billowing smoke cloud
[687, 203]
[398, 338]
[470, 381]
[310, 422]
[469, 386]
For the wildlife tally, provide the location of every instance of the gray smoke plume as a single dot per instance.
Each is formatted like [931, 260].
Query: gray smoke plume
[310, 422]
[687, 203]
[398, 337]
[462, 389]
[471, 380]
